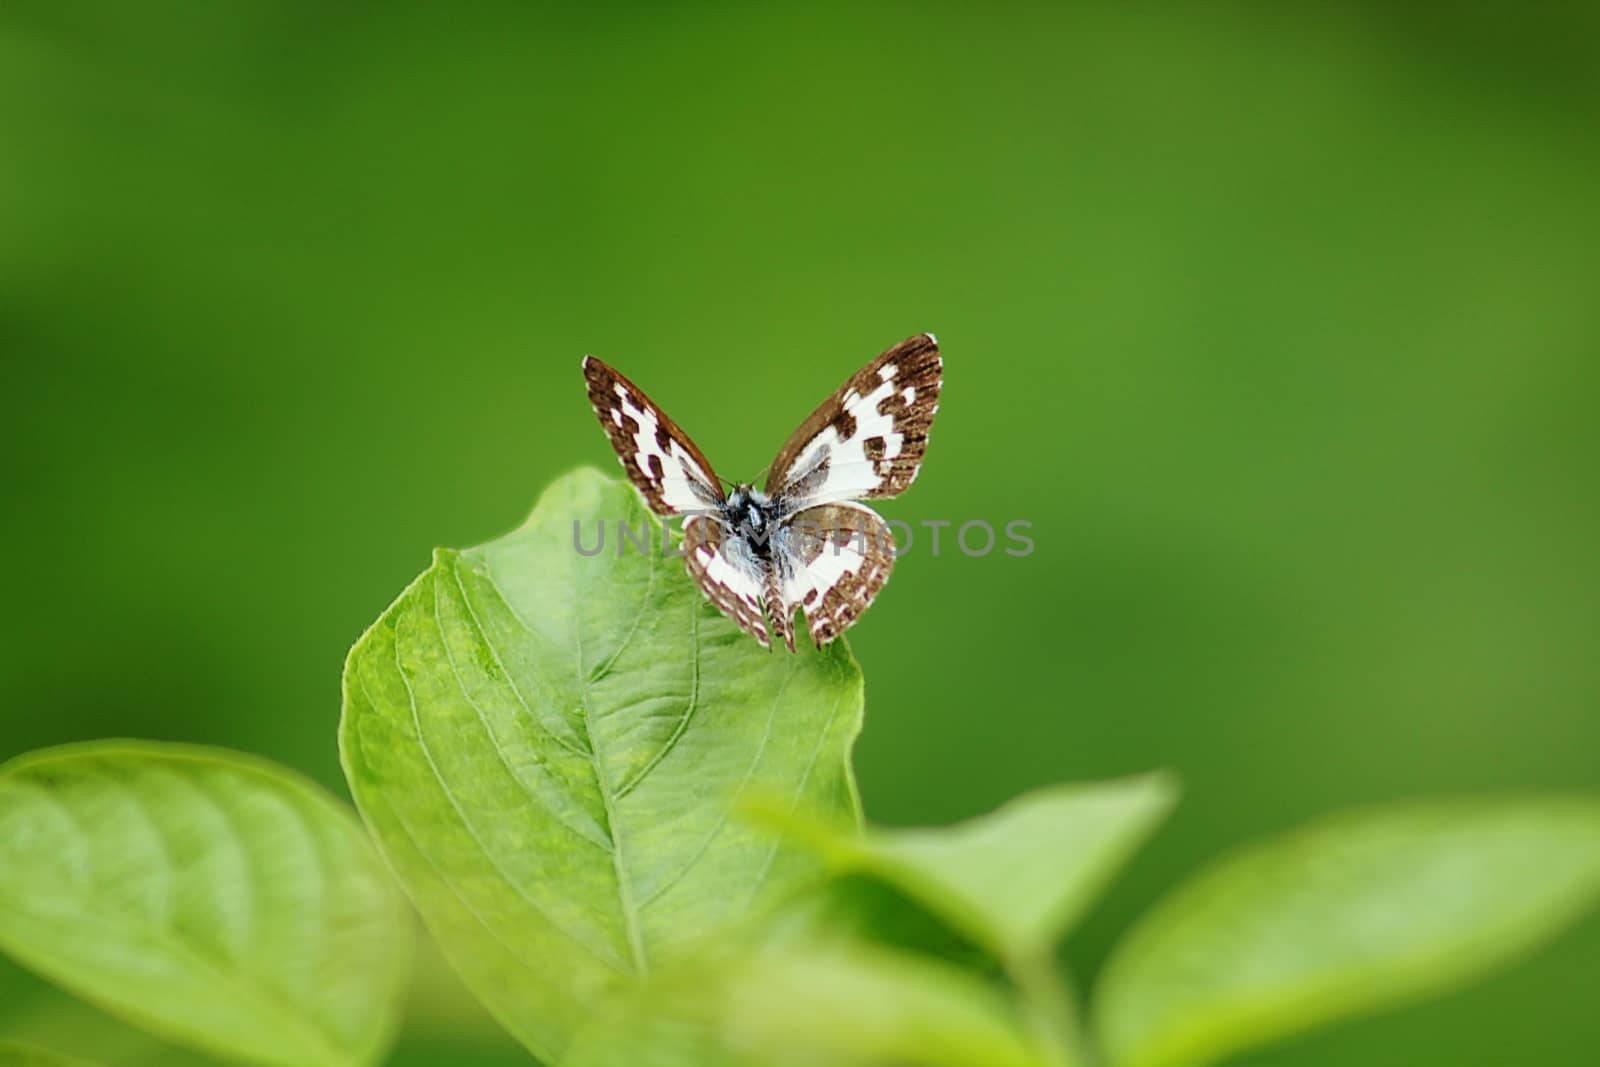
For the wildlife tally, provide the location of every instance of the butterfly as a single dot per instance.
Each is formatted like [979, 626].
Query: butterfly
[802, 541]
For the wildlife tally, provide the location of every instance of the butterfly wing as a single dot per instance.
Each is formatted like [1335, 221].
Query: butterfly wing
[668, 469]
[830, 560]
[867, 439]
[732, 576]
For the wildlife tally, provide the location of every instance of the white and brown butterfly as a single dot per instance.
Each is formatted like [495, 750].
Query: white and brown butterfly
[803, 541]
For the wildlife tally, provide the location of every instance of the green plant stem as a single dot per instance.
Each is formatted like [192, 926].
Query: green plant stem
[1050, 1006]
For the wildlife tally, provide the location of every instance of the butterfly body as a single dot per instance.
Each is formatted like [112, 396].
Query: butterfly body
[753, 514]
[803, 541]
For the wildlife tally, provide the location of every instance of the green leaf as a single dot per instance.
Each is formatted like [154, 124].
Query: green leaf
[856, 908]
[1015, 879]
[28, 1056]
[1357, 913]
[214, 899]
[835, 1005]
[549, 745]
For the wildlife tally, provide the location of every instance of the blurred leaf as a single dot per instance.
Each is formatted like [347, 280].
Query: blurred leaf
[855, 907]
[27, 1056]
[1362, 911]
[548, 746]
[812, 1007]
[214, 899]
[1012, 880]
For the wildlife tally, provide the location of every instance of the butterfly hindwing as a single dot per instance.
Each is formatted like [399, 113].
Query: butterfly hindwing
[733, 577]
[867, 439]
[658, 456]
[831, 561]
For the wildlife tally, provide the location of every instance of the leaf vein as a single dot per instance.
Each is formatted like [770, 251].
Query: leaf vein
[682, 725]
[722, 820]
[466, 823]
[483, 632]
[644, 603]
[494, 741]
[625, 903]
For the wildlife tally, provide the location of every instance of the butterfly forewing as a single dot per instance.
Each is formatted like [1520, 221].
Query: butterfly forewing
[867, 439]
[668, 468]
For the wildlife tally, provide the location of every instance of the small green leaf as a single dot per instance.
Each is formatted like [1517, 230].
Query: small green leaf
[1354, 914]
[1015, 879]
[548, 746]
[214, 899]
[27, 1056]
[838, 1005]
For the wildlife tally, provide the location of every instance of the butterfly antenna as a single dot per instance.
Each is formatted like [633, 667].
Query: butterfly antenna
[761, 474]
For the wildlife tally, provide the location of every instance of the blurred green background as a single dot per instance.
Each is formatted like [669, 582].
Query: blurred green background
[1279, 324]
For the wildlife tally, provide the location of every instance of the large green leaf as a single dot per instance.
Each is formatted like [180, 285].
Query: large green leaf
[28, 1056]
[1012, 880]
[214, 899]
[549, 747]
[1348, 916]
[832, 1005]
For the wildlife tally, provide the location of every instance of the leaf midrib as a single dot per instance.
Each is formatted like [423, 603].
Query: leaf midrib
[628, 906]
